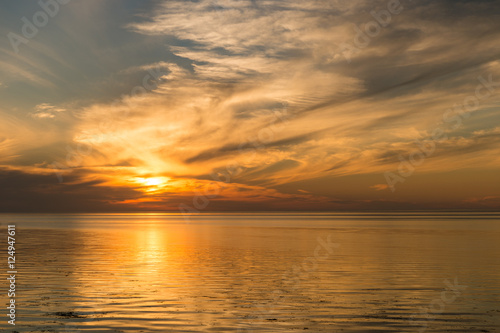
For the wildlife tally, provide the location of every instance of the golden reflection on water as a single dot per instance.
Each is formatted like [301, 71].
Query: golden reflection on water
[220, 274]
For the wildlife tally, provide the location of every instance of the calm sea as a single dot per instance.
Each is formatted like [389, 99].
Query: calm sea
[265, 272]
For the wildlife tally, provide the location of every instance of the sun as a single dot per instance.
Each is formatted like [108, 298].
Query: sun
[155, 181]
[152, 184]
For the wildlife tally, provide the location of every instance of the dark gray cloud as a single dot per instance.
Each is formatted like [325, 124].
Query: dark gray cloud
[245, 146]
[27, 192]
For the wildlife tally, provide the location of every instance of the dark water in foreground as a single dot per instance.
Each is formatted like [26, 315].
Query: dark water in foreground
[255, 273]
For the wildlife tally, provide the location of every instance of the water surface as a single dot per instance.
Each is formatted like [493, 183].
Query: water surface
[392, 272]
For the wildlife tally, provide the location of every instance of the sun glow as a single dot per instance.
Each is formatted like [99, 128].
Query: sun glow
[152, 184]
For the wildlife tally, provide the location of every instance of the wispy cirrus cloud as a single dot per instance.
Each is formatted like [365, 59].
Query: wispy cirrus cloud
[233, 70]
[249, 58]
[46, 111]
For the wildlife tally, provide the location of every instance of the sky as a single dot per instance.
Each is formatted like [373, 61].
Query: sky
[249, 105]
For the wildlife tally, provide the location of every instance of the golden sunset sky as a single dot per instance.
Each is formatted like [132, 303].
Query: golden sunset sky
[249, 105]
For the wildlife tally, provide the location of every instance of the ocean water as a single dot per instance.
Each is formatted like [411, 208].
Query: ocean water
[265, 272]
